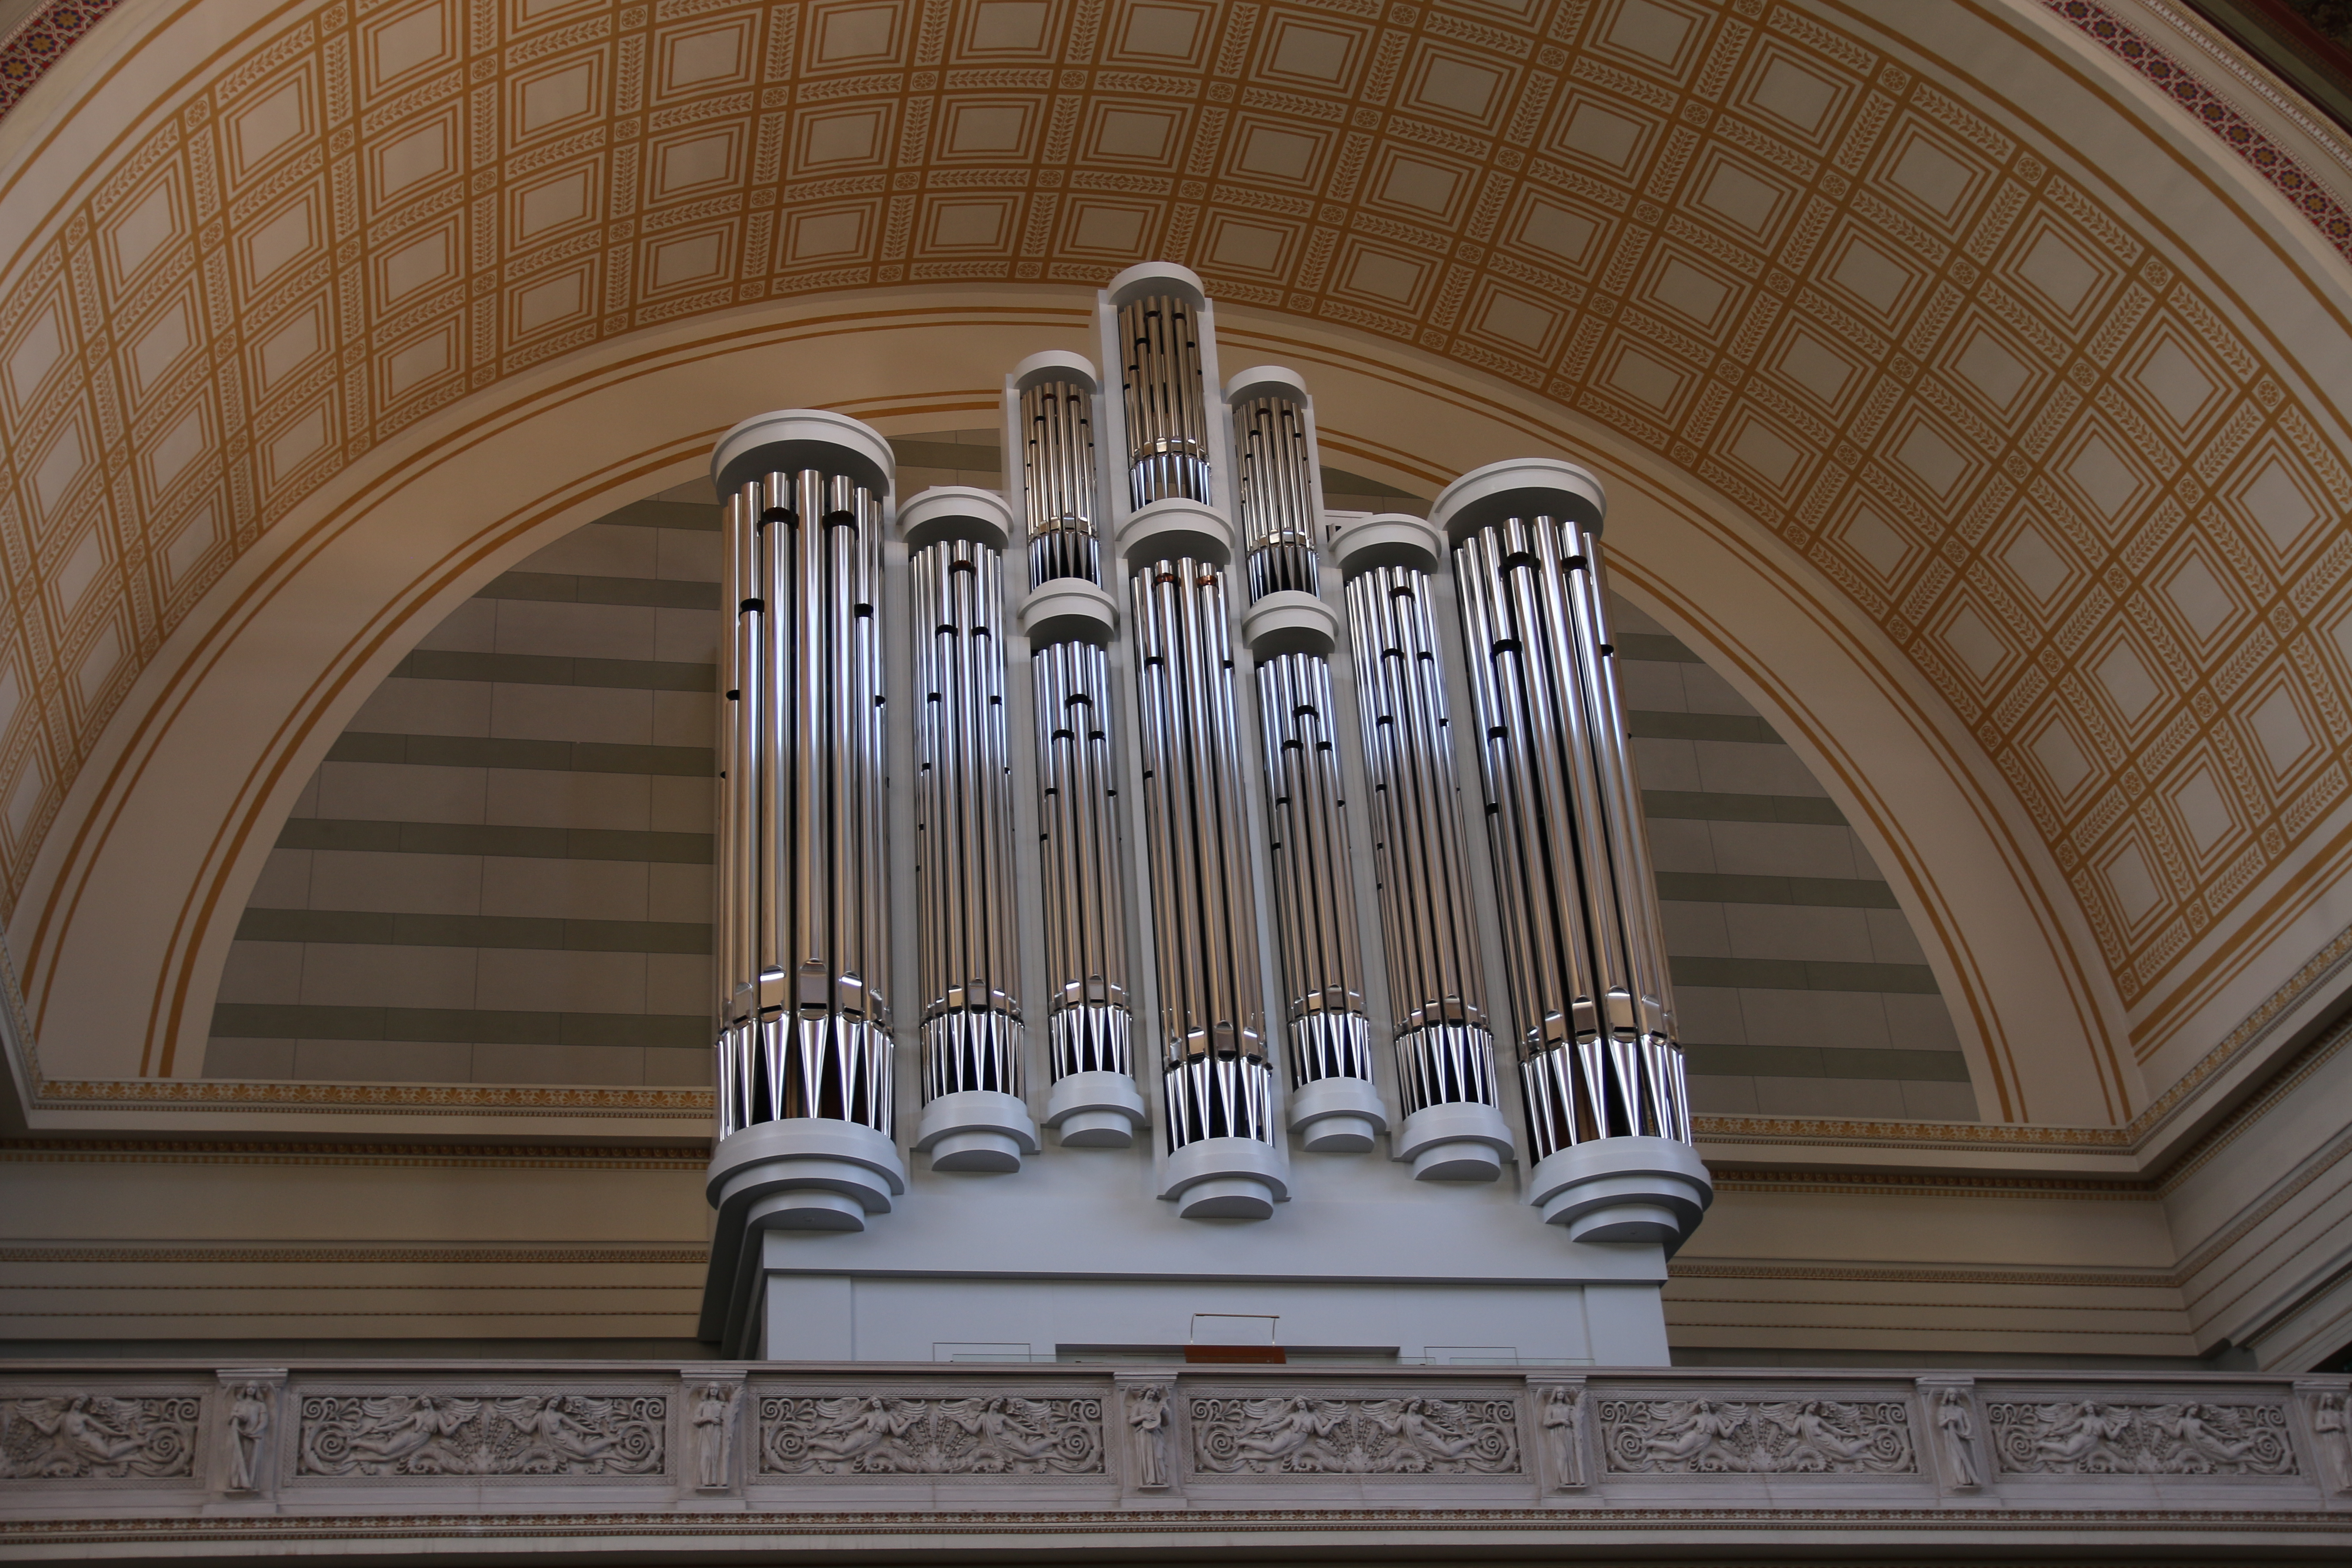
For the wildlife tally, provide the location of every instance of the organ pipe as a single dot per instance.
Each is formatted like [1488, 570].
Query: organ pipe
[1089, 1025]
[965, 912]
[1215, 1080]
[1313, 902]
[1165, 400]
[1276, 494]
[1586, 966]
[1084, 913]
[804, 927]
[1445, 1052]
[1057, 471]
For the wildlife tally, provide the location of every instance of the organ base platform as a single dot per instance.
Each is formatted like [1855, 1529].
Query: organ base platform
[1086, 1257]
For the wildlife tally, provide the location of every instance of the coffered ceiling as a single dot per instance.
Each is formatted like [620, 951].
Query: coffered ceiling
[1855, 293]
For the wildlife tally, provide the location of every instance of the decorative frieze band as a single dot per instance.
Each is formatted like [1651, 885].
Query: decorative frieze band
[980, 1434]
[723, 1435]
[2091, 1436]
[1310, 1431]
[1789, 1437]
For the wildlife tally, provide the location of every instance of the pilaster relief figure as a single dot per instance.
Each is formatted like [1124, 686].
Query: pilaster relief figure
[874, 1434]
[714, 1435]
[1564, 1424]
[2331, 1424]
[101, 1437]
[1147, 1416]
[1795, 1436]
[248, 1428]
[1955, 1437]
[2096, 1438]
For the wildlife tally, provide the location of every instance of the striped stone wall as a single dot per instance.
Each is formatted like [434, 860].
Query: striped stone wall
[501, 873]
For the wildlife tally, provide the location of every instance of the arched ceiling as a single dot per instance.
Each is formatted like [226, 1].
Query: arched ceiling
[1858, 294]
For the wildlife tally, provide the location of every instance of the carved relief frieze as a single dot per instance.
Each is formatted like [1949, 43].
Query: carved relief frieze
[1306, 1432]
[972, 1435]
[99, 1436]
[1700, 1435]
[2093, 1437]
[493, 1434]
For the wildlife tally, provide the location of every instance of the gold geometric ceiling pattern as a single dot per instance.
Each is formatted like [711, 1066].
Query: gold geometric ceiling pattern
[1975, 395]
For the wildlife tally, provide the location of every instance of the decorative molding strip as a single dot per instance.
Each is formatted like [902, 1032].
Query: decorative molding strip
[194, 1152]
[697, 1257]
[173, 1094]
[41, 41]
[2218, 115]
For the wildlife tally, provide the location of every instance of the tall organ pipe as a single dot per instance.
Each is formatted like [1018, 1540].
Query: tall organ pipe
[1058, 472]
[804, 927]
[1587, 968]
[973, 1119]
[1445, 1055]
[1333, 1103]
[1069, 619]
[1217, 1090]
[1166, 401]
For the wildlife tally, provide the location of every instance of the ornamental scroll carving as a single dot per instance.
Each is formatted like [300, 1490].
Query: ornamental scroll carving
[2096, 1438]
[441, 1434]
[99, 1436]
[869, 1434]
[1308, 1435]
[1789, 1437]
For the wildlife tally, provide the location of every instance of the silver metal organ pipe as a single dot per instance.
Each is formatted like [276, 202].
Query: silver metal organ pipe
[1291, 633]
[1089, 1028]
[804, 932]
[963, 824]
[1166, 401]
[1315, 911]
[1445, 1053]
[1057, 462]
[1215, 1080]
[1275, 489]
[1588, 975]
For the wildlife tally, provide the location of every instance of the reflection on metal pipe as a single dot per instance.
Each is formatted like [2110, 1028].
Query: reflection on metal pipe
[1445, 1056]
[1333, 1106]
[1166, 402]
[807, 937]
[972, 1118]
[1276, 489]
[804, 930]
[1587, 976]
[1210, 987]
[1057, 471]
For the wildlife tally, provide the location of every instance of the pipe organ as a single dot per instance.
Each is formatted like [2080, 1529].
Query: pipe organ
[1125, 932]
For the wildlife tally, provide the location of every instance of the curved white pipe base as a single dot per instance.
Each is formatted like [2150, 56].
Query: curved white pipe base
[1337, 1115]
[1624, 1189]
[1461, 1140]
[1226, 1178]
[976, 1129]
[1096, 1111]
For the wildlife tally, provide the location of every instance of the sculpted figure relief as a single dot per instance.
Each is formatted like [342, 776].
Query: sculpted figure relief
[873, 1435]
[1304, 1434]
[2093, 1438]
[714, 1435]
[248, 1425]
[2331, 1421]
[441, 1434]
[99, 1436]
[1564, 1424]
[1809, 1436]
[1954, 1432]
[1146, 1414]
